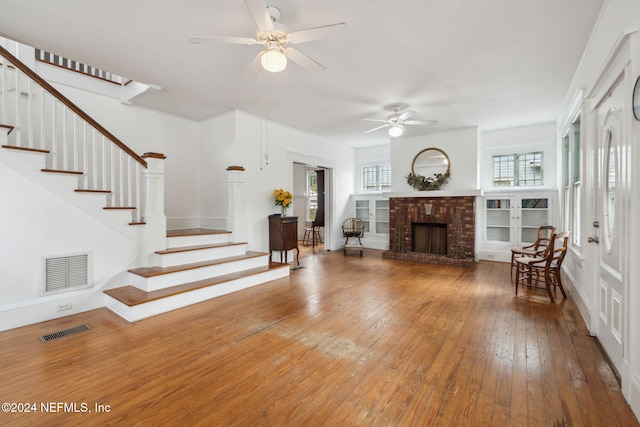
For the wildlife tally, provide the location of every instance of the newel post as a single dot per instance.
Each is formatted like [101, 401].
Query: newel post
[236, 216]
[154, 232]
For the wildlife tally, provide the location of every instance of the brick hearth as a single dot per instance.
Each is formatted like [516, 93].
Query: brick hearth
[403, 211]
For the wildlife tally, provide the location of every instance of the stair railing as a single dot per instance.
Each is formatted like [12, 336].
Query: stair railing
[45, 120]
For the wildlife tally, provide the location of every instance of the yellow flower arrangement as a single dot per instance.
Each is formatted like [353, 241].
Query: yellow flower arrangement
[283, 199]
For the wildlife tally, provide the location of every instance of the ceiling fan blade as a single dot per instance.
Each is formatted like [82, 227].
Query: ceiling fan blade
[318, 33]
[254, 68]
[406, 115]
[258, 9]
[379, 127]
[225, 40]
[420, 122]
[377, 120]
[303, 60]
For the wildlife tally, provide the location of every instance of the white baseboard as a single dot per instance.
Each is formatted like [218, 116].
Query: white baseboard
[633, 397]
[584, 307]
[40, 311]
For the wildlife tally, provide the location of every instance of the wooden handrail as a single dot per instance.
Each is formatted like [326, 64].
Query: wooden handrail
[73, 107]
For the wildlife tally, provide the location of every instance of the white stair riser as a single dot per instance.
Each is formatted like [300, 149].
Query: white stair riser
[186, 276]
[202, 239]
[178, 258]
[164, 305]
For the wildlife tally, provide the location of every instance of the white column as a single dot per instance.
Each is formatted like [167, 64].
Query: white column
[153, 234]
[236, 215]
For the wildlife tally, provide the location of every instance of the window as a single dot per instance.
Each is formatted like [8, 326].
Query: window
[312, 195]
[376, 178]
[575, 164]
[571, 172]
[520, 169]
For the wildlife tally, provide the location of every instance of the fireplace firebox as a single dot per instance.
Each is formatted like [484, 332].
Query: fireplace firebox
[429, 238]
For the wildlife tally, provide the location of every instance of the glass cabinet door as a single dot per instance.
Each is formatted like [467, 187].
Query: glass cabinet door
[382, 216]
[533, 214]
[362, 212]
[498, 220]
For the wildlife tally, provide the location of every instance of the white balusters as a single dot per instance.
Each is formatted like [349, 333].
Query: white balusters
[45, 120]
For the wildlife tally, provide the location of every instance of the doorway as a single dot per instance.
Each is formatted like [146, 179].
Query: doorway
[312, 205]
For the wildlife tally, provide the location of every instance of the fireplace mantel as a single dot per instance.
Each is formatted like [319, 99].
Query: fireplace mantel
[434, 193]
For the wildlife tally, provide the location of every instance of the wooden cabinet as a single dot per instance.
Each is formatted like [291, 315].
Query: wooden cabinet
[283, 235]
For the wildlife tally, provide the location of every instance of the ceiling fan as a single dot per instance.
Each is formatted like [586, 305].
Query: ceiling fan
[274, 37]
[397, 120]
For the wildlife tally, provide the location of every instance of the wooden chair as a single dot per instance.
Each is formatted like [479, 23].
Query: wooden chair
[353, 228]
[536, 249]
[311, 233]
[535, 271]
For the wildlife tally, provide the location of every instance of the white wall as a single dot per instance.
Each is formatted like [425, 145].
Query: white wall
[267, 151]
[217, 151]
[540, 137]
[38, 224]
[370, 156]
[461, 146]
[617, 18]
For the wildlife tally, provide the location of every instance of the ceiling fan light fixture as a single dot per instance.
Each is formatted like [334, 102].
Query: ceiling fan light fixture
[396, 130]
[273, 60]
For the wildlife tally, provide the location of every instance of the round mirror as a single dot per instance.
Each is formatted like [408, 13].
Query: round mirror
[431, 161]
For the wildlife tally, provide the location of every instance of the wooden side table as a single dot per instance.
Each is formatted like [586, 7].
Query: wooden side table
[283, 235]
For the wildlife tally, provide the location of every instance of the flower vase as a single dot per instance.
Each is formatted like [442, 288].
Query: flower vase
[283, 211]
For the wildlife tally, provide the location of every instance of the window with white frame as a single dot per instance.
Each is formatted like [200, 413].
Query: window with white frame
[312, 195]
[376, 177]
[572, 179]
[518, 169]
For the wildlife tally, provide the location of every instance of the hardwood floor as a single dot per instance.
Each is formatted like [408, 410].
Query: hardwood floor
[343, 341]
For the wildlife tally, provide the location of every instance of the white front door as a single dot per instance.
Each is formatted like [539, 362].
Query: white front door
[609, 233]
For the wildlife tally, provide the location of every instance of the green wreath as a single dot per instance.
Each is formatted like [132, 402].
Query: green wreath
[423, 183]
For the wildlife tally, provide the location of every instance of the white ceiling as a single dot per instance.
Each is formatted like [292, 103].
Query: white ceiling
[486, 63]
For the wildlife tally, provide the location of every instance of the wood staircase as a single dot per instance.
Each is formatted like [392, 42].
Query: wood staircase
[198, 264]
[82, 157]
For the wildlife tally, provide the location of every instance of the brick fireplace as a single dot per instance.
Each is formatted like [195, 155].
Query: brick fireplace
[408, 214]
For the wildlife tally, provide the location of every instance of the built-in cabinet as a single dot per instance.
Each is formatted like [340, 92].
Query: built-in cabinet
[512, 220]
[373, 210]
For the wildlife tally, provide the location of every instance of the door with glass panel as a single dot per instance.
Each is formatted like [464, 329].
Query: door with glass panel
[609, 223]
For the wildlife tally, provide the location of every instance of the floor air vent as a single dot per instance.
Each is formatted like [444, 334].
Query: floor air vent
[65, 333]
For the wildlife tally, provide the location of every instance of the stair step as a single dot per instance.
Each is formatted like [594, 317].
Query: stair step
[194, 232]
[134, 304]
[196, 253]
[33, 150]
[148, 272]
[159, 277]
[62, 171]
[80, 190]
[198, 247]
[196, 236]
[130, 295]
[8, 132]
